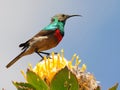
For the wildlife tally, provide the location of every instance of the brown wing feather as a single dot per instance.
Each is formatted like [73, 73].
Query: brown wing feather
[41, 33]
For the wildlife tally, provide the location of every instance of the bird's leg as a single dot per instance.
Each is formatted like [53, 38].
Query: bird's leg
[48, 53]
[39, 54]
[45, 53]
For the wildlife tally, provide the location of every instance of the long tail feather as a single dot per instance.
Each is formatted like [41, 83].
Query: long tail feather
[15, 59]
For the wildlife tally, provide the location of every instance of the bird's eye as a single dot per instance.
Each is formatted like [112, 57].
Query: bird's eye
[63, 15]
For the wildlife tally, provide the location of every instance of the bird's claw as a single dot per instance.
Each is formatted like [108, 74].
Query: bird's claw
[55, 53]
[48, 55]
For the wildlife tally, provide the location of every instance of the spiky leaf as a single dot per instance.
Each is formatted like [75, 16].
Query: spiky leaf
[23, 86]
[98, 88]
[114, 87]
[36, 81]
[64, 80]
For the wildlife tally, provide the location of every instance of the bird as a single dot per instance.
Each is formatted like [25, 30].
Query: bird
[49, 37]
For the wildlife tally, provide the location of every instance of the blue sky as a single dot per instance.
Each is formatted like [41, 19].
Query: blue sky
[94, 37]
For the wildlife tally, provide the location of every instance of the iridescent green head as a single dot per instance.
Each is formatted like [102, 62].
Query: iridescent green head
[58, 22]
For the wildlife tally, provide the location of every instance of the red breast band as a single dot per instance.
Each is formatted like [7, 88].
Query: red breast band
[58, 35]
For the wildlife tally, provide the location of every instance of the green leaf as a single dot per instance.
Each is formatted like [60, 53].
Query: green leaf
[114, 87]
[36, 81]
[23, 86]
[98, 88]
[64, 80]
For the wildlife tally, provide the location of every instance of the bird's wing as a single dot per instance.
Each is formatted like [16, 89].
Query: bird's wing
[41, 33]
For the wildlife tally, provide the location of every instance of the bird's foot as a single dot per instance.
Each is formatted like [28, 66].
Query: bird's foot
[48, 55]
[55, 53]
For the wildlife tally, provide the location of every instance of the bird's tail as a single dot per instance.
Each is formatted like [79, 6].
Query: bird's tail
[15, 59]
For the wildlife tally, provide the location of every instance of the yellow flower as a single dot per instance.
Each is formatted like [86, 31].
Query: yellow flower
[47, 69]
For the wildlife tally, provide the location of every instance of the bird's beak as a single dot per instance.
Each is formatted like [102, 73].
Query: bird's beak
[69, 16]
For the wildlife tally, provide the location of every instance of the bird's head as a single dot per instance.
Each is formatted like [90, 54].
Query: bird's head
[62, 17]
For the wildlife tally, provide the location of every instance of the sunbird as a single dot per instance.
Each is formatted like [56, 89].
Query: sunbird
[49, 37]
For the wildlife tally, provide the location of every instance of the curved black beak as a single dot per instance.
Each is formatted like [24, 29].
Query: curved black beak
[69, 16]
